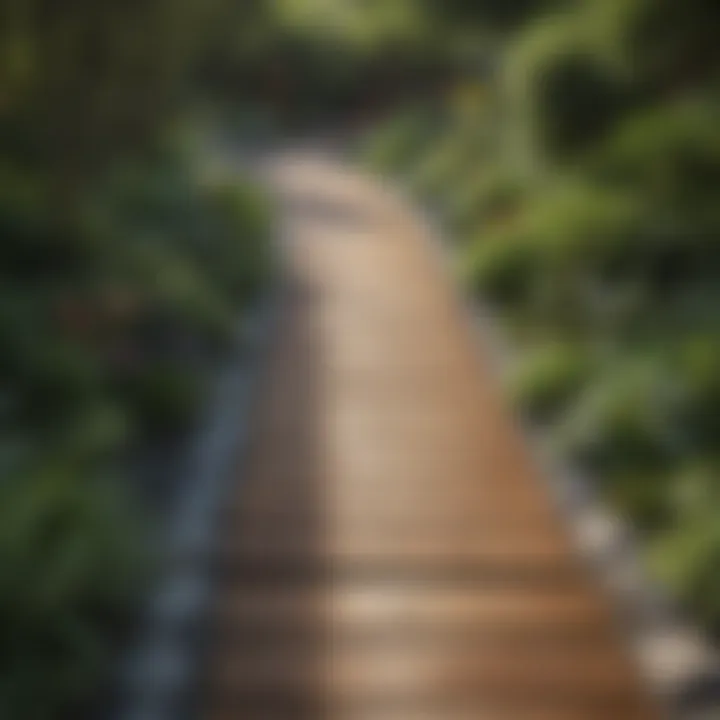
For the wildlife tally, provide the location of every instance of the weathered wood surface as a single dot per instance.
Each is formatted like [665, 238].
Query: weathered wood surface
[390, 552]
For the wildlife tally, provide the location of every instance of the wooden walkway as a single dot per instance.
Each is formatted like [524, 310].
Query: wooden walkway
[389, 552]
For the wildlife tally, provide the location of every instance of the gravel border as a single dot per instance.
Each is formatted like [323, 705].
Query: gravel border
[158, 677]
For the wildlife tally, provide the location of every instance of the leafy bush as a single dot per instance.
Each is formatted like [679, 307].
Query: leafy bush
[447, 163]
[659, 43]
[394, 146]
[163, 395]
[628, 419]
[500, 267]
[550, 377]
[566, 98]
[486, 200]
[240, 250]
[72, 562]
[557, 256]
[687, 553]
[672, 154]
[111, 318]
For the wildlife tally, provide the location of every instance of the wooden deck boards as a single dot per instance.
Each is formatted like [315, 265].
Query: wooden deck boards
[389, 551]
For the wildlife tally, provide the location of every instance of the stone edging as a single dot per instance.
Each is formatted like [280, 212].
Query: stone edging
[159, 676]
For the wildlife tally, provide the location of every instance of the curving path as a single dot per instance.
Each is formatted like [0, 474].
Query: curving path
[389, 552]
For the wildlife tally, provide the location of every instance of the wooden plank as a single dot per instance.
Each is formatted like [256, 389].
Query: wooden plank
[390, 552]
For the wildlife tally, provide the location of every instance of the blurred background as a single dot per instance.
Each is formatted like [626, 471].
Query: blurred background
[570, 147]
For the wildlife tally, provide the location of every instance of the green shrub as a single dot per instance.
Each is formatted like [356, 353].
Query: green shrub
[396, 145]
[164, 395]
[564, 97]
[686, 554]
[670, 160]
[550, 377]
[488, 199]
[697, 366]
[56, 377]
[627, 421]
[672, 154]
[187, 299]
[71, 565]
[444, 167]
[640, 497]
[587, 243]
[501, 267]
[659, 43]
[95, 433]
[557, 256]
[110, 321]
[239, 253]
[193, 251]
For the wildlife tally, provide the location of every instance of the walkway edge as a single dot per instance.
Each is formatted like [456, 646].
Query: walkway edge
[159, 676]
[674, 660]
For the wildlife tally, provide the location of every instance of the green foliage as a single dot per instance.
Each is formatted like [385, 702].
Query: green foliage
[496, 14]
[697, 365]
[453, 157]
[164, 395]
[687, 554]
[394, 146]
[488, 199]
[106, 74]
[501, 267]
[241, 251]
[671, 153]
[628, 421]
[122, 273]
[72, 562]
[566, 97]
[164, 264]
[556, 257]
[550, 377]
[111, 321]
[659, 43]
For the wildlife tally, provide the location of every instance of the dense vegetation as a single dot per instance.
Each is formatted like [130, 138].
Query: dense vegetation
[124, 268]
[581, 178]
